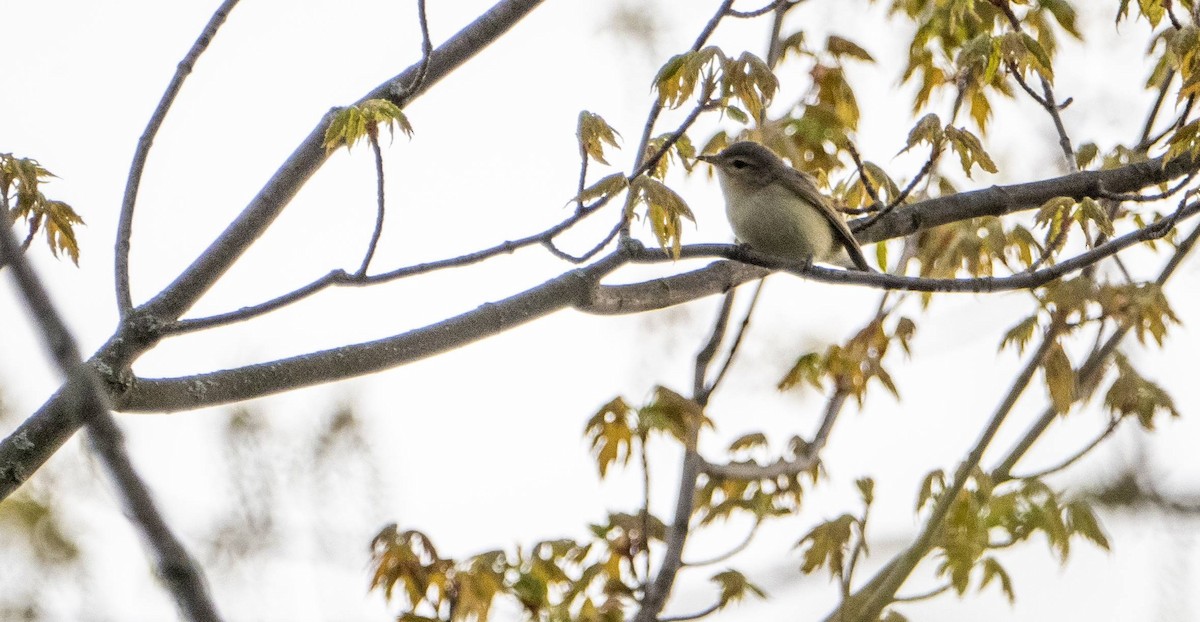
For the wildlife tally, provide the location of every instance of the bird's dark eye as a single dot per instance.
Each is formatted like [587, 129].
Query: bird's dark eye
[739, 164]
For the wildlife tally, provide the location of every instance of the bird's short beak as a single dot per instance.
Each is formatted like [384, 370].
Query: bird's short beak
[706, 158]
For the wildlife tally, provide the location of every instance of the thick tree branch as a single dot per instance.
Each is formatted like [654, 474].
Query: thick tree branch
[39, 436]
[231, 385]
[1000, 200]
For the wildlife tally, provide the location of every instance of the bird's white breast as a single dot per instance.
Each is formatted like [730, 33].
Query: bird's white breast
[776, 221]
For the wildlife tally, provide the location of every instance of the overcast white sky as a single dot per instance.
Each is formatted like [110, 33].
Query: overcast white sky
[494, 157]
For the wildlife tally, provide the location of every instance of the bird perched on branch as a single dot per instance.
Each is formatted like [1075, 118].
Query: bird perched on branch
[777, 210]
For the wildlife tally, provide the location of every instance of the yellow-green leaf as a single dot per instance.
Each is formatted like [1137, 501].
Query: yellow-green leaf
[839, 47]
[353, 123]
[1060, 378]
[593, 133]
[611, 433]
[970, 151]
[1020, 334]
[606, 186]
[665, 211]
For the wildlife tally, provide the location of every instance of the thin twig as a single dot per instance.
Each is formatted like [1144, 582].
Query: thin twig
[706, 354]
[1145, 198]
[426, 54]
[705, 104]
[924, 596]
[773, 51]
[375, 235]
[341, 278]
[1047, 100]
[737, 340]
[1064, 139]
[750, 471]
[583, 168]
[862, 174]
[1072, 459]
[136, 168]
[892, 205]
[775, 5]
[1015, 72]
[741, 546]
[89, 406]
[692, 616]
[588, 254]
[645, 544]
[856, 553]
[1144, 141]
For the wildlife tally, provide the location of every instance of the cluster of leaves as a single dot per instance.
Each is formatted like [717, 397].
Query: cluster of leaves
[20, 188]
[721, 79]
[1181, 53]
[1132, 394]
[552, 580]
[830, 544]
[976, 246]
[353, 123]
[665, 210]
[1070, 305]
[720, 497]
[962, 45]
[986, 516]
[814, 134]
[617, 430]
[851, 367]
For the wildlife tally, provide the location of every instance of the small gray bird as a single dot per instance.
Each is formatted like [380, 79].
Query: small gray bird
[777, 210]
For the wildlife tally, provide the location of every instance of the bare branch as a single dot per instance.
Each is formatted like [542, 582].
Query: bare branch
[374, 137]
[705, 356]
[86, 404]
[1144, 141]
[310, 155]
[737, 340]
[426, 54]
[862, 174]
[1073, 458]
[741, 546]
[692, 616]
[166, 395]
[125, 220]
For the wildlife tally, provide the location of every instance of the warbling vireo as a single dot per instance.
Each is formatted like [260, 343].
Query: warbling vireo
[777, 210]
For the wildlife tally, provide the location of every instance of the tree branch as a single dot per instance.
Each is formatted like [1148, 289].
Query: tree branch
[84, 401]
[181, 294]
[231, 385]
[136, 168]
[39, 436]
[871, 599]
